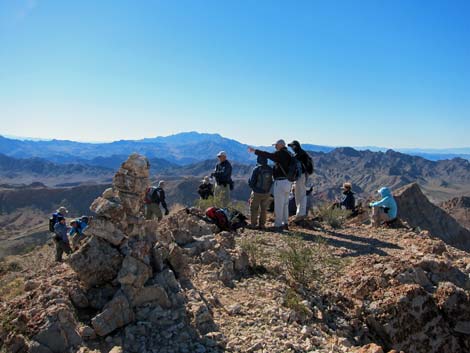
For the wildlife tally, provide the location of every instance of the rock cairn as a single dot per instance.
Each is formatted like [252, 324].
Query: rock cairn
[130, 283]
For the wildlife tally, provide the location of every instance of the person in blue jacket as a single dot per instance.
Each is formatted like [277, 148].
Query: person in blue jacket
[77, 227]
[384, 210]
[60, 239]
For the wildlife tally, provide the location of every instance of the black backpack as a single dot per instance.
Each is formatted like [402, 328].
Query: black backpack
[52, 222]
[308, 166]
[152, 195]
[264, 179]
[295, 169]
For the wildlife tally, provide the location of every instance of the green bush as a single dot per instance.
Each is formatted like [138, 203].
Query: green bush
[307, 263]
[333, 216]
[255, 251]
[214, 201]
[294, 301]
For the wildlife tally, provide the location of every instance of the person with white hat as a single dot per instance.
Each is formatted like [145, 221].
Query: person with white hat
[282, 186]
[206, 189]
[223, 179]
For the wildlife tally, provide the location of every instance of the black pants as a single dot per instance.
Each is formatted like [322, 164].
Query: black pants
[60, 248]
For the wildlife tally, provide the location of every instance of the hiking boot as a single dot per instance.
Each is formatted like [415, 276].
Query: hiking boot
[285, 226]
[278, 229]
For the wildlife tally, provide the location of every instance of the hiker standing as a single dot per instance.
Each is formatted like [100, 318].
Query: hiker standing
[206, 189]
[60, 212]
[384, 210]
[154, 197]
[260, 182]
[282, 159]
[223, 179]
[300, 184]
[60, 238]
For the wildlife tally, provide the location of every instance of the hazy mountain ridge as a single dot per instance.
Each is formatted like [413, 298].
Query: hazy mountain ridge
[183, 148]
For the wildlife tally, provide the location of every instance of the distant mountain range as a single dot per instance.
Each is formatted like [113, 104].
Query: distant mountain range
[180, 149]
[367, 170]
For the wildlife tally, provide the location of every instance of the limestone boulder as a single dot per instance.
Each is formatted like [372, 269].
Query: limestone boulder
[117, 313]
[134, 272]
[96, 262]
[107, 230]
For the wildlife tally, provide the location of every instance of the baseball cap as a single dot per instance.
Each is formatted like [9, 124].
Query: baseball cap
[280, 142]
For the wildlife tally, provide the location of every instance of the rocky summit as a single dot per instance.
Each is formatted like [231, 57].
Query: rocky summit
[178, 286]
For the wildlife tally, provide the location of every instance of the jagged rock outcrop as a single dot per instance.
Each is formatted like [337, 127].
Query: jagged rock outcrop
[459, 208]
[416, 302]
[415, 208]
[175, 286]
[135, 277]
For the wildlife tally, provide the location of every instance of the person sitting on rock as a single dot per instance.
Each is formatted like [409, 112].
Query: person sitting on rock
[60, 238]
[348, 201]
[384, 210]
[206, 189]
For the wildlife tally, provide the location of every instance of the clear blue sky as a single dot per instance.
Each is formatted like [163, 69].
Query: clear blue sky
[392, 73]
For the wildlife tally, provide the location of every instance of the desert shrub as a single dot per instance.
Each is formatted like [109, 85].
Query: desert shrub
[175, 208]
[333, 216]
[9, 267]
[11, 288]
[255, 251]
[307, 263]
[216, 201]
[294, 301]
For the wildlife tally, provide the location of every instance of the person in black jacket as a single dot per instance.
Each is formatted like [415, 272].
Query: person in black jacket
[152, 209]
[301, 182]
[223, 179]
[348, 201]
[281, 157]
[206, 189]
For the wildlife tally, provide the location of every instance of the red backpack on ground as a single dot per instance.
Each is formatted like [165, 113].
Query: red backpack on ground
[218, 217]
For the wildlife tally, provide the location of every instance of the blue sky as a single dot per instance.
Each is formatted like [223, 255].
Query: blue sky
[391, 73]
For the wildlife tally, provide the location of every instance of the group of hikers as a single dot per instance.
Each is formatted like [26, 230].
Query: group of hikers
[62, 232]
[287, 184]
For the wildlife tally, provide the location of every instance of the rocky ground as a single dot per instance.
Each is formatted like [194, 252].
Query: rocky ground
[139, 286]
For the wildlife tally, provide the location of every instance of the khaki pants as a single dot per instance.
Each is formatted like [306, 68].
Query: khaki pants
[152, 211]
[60, 248]
[379, 216]
[259, 202]
[223, 194]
